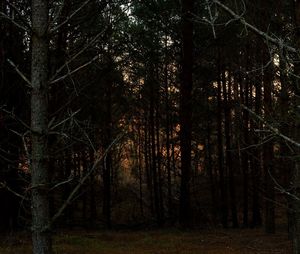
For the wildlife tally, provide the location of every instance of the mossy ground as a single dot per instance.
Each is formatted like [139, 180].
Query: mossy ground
[238, 241]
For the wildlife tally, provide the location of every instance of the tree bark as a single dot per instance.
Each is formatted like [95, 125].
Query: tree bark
[41, 235]
[186, 111]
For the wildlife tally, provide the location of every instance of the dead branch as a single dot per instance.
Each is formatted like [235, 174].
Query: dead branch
[71, 116]
[21, 74]
[86, 135]
[3, 15]
[53, 79]
[68, 201]
[70, 17]
[278, 42]
[14, 117]
[270, 127]
[70, 179]
[70, 73]
[21, 16]
[3, 185]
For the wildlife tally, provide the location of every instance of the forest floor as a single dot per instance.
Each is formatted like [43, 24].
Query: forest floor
[239, 241]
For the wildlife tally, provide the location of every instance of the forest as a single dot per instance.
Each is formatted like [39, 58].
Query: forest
[167, 126]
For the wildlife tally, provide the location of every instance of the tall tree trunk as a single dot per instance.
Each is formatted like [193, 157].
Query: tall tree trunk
[256, 161]
[92, 203]
[296, 169]
[238, 130]
[168, 146]
[228, 142]
[107, 169]
[83, 155]
[148, 161]
[140, 168]
[268, 156]
[186, 111]
[286, 164]
[154, 154]
[41, 235]
[209, 165]
[245, 157]
[221, 168]
[161, 209]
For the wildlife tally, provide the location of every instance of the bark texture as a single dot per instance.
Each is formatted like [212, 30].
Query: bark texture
[41, 236]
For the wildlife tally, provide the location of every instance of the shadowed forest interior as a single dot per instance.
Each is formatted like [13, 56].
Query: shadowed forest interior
[171, 120]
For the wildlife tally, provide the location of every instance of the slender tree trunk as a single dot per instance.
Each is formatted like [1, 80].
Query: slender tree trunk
[245, 156]
[93, 206]
[168, 147]
[221, 168]
[161, 209]
[107, 169]
[256, 162]
[154, 157]
[296, 169]
[238, 130]
[83, 156]
[209, 165]
[147, 157]
[228, 142]
[139, 153]
[186, 112]
[41, 235]
[268, 158]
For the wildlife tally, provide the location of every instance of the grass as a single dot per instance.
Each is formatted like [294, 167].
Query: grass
[156, 242]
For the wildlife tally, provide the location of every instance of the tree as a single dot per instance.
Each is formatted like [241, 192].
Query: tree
[186, 111]
[295, 173]
[41, 235]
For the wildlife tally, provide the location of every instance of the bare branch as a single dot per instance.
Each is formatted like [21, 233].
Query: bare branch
[281, 189]
[21, 74]
[70, 17]
[3, 185]
[70, 73]
[270, 127]
[277, 42]
[20, 15]
[211, 20]
[82, 181]
[70, 179]
[13, 116]
[54, 79]
[87, 136]
[3, 15]
[63, 121]
[73, 82]
[267, 140]
[5, 156]
[26, 148]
